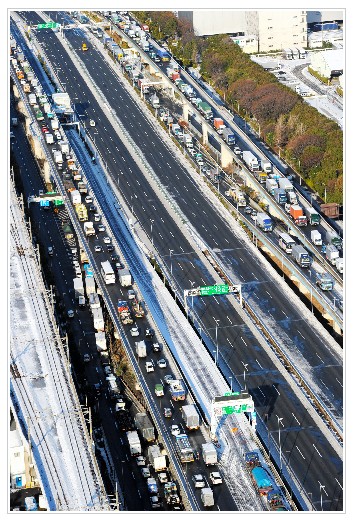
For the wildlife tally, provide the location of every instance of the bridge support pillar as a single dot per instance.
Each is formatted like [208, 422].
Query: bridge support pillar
[226, 156]
[204, 133]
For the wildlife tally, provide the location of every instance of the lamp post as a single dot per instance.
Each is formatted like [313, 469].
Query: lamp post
[171, 265]
[321, 488]
[311, 292]
[217, 324]
[151, 231]
[279, 420]
[215, 352]
[245, 365]
[231, 383]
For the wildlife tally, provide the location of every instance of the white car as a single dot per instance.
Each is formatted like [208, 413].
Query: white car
[98, 249]
[168, 378]
[199, 481]
[70, 313]
[134, 331]
[149, 366]
[145, 472]
[107, 240]
[141, 461]
[101, 228]
[92, 122]
[131, 294]
[162, 363]
[175, 430]
[88, 199]
[216, 478]
[163, 478]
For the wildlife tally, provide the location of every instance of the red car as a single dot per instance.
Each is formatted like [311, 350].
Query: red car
[45, 130]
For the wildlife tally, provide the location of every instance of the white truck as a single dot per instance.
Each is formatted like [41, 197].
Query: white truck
[49, 138]
[134, 443]
[64, 147]
[78, 287]
[190, 416]
[339, 265]
[156, 458]
[207, 497]
[90, 285]
[98, 321]
[32, 98]
[209, 454]
[266, 166]
[271, 185]
[58, 158]
[125, 277]
[332, 254]
[101, 342]
[285, 184]
[54, 123]
[141, 350]
[250, 160]
[88, 229]
[188, 141]
[316, 238]
[94, 302]
[75, 196]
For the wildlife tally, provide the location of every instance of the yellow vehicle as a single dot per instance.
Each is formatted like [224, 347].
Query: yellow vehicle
[84, 47]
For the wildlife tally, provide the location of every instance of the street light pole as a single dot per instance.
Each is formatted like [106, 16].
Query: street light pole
[151, 230]
[245, 365]
[171, 265]
[217, 323]
[231, 384]
[279, 419]
[321, 488]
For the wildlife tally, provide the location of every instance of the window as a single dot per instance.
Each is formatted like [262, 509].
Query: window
[17, 454]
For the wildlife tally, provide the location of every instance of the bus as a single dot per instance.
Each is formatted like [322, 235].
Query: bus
[107, 272]
[184, 448]
[286, 242]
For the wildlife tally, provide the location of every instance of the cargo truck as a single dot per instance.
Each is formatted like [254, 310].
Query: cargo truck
[209, 454]
[261, 479]
[32, 98]
[292, 197]
[64, 147]
[98, 321]
[266, 166]
[58, 158]
[188, 141]
[94, 302]
[207, 497]
[82, 187]
[229, 136]
[177, 390]
[264, 222]
[285, 184]
[271, 185]
[333, 239]
[190, 416]
[251, 161]
[157, 460]
[144, 427]
[301, 256]
[296, 212]
[134, 443]
[78, 287]
[75, 196]
[312, 216]
[90, 286]
[324, 281]
[48, 137]
[88, 229]
[141, 350]
[81, 211]
[315, 236]
[339, 265]
[332, 254]
[54, 123]
[205, 110]
[124, 277]
[218, 125]
[280, 195]
[237, 194]
[101, 342]
[163, 55]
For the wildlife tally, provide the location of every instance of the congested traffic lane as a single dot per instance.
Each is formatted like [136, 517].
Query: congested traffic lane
[253, 352]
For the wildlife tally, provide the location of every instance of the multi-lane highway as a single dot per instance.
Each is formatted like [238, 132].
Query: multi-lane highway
[272, 394]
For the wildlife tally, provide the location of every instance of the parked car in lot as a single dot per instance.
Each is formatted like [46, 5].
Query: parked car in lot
[162, 363]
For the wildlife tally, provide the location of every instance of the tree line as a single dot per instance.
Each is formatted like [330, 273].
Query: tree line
[309, 141]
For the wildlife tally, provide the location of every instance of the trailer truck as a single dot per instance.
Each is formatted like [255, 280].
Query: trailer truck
[78, 287]
[190, 416]
[301, 256]
[333, 239]
[98, 321]
[264, 222]
[251, 161]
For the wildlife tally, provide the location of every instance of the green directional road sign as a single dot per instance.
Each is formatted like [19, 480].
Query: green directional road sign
[231, 393]
[209, 290]
[50, 25]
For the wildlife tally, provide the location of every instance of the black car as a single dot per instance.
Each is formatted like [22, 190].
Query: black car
[114, 258]
[110, 248]
[248, 210]
[92, 208]
[149, 333]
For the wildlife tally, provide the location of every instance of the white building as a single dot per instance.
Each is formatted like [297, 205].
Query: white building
[270, 29]
[17, 457]
[328, 63]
